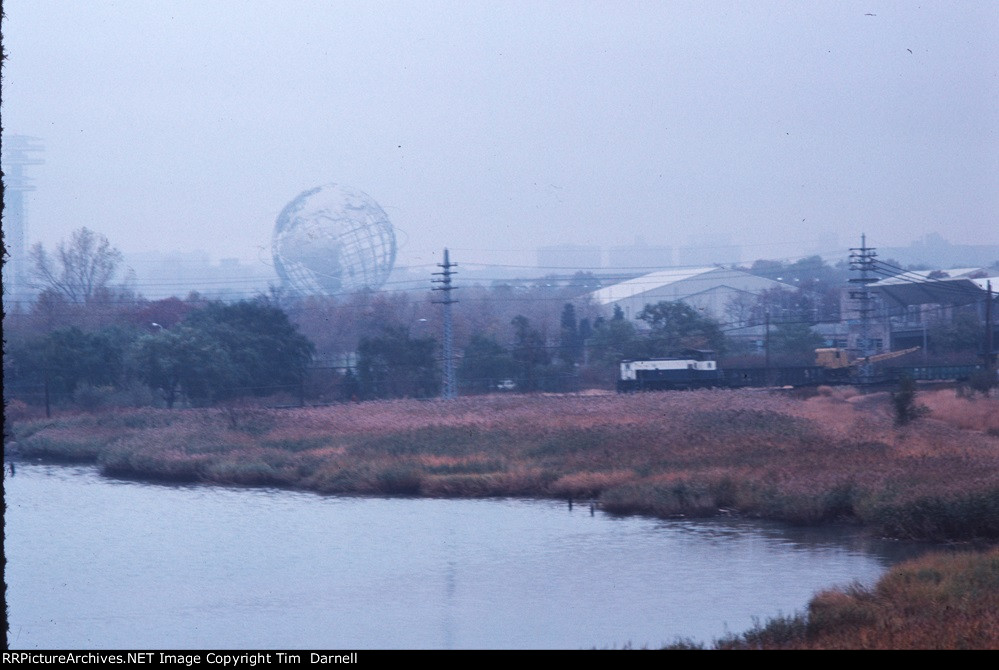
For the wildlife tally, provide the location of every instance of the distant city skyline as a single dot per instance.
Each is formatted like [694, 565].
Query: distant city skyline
[160, 274]
[497, 128]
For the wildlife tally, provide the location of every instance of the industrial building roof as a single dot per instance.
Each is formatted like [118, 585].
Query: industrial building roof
[647, 282]
[917, 288]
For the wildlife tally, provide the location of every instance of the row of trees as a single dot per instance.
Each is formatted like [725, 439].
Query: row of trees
[216, 352]
[211, 351]
[86, 332]
[395, 364]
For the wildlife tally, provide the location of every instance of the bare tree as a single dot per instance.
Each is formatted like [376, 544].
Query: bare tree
[80, 270]
[740, 309]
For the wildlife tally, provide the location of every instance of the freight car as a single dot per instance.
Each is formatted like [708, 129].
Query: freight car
[935, 373]
[798, 375]
[666, 374]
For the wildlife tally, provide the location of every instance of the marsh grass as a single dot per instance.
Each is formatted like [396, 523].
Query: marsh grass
[939, 601]
[834, 456]
[969, 413]
[63, 445]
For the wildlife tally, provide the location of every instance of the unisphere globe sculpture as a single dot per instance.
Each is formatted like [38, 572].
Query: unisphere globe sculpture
[333, 239]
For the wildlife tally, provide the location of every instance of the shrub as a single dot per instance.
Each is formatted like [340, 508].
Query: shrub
[399, 479]
[904, 402]
[939, 601]
[91, 398]
[62, 445]
[134, 394]
[778, 632]
[982, 381]
[17, 410]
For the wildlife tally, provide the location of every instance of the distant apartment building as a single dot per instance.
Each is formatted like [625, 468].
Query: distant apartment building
[158, 275]
[708, 252]
[570, 257]
[934, 251]
[640, 256]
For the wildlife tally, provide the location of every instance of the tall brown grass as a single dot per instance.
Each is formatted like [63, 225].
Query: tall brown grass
[939, 601]
[834, 457]
[971, 413]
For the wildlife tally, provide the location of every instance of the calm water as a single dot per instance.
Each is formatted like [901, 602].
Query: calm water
[99, 563]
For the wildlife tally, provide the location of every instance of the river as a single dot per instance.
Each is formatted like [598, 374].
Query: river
[100, 563]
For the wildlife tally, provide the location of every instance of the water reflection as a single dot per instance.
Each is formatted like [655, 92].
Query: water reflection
[100, 563]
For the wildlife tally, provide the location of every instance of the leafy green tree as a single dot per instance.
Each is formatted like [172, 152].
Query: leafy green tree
[350, 387]
[267, 353]
[222, 351]
[395, 365]
[529, 353]
[154, 359]
[67, 358]
[804, 271]
[25, 368]
[74, 357]
[794, 339]
[775, 270]
[677, 325]
[615, 340]
[165, 313]
[570, 349]
[484, 365]
[184, 361]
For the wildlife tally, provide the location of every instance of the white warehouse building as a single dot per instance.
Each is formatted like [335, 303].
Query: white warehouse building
[708, 289]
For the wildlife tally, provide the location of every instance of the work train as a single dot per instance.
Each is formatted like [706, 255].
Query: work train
[700, 370]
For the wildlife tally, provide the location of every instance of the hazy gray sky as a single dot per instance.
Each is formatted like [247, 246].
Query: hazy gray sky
[495, 127]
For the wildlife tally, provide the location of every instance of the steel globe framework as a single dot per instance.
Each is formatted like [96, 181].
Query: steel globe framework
[333, 239]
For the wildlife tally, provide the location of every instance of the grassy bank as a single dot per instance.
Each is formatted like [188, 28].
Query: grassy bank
[833, 457]
[941, 601]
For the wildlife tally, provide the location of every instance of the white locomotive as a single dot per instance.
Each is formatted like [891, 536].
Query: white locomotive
[698, 370]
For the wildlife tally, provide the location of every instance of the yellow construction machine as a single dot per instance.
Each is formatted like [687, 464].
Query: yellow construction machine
[843, 361]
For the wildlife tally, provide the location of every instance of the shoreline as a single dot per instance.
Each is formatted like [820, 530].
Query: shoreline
[835, 457]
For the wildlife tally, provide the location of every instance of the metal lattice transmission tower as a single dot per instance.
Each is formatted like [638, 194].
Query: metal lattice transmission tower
[862, 261]
[450, 389]
[17, 150]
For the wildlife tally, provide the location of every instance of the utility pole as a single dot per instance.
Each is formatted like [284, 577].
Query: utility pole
[862, 260]
[766, 350]
[48, 404]
[450, 388]
[990, 359]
